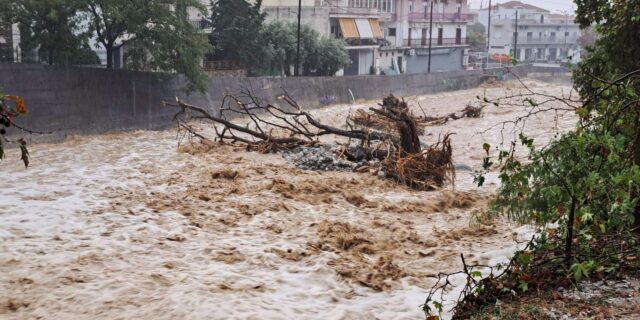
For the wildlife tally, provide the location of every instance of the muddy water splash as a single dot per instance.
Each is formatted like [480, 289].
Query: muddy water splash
[126, 226]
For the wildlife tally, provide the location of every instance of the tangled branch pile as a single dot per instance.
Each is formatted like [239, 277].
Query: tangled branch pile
[389, 135]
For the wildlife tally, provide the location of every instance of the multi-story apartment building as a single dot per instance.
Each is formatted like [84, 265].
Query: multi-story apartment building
[393, 36]
[385, 36]
[540, 36]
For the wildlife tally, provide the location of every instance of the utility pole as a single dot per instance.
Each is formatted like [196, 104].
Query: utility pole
[566, 18]
[489, 34]
[515, 42]
[430, 36]
[297, 66]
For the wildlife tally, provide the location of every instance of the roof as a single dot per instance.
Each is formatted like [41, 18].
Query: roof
[516, 5]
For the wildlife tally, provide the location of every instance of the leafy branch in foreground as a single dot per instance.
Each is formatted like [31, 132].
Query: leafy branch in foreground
[580, 189]
[12, 107]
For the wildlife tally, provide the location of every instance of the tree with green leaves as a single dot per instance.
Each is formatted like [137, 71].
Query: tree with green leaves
[54, 28]
[318, 55]
[583, 188]
[236, 26]
[477, 36]
[587, 181]
[278, 50]
[157, 33]
[332, 56]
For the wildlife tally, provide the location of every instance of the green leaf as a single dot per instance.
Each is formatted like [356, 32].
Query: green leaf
[523, 286]
[479, 180]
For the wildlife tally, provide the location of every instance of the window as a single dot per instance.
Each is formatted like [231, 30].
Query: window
[392, 32]
[529, 35]
[553, 36]
[540, 35]
[380, 5]
[566, 34]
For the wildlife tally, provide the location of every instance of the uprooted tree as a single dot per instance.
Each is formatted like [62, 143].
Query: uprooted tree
[390, 134]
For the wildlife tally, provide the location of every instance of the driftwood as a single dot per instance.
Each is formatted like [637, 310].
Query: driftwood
[269, 124]
[468, 112]
[390, 134]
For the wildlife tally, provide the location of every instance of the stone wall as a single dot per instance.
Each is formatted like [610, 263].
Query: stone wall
[86, 101]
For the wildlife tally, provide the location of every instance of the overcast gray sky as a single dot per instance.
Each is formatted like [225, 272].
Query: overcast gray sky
[552, 5]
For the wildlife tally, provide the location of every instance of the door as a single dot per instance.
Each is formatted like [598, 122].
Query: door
[424, 37]
[440, 31]
[458, 36]
[553, 54]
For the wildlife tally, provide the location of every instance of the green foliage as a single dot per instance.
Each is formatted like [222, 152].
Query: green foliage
[615, 51]
[55, 30]
[586, 182]
[278, 45]
[332, 56]
[318, 55]
[12, 107]
[236, 25]
[477, 36]
[157, 34]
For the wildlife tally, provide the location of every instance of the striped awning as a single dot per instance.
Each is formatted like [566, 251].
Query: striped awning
[375, 28]
[364, 29]
[349, 29]
[360, 28]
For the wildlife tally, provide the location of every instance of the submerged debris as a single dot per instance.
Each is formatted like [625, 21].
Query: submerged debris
[383, 140]
[318, 157]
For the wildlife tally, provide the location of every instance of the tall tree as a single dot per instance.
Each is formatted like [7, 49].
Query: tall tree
[159, 32]
[236, 24]
[614, 54]
[318, 55]
[53, 28]
[476, 33]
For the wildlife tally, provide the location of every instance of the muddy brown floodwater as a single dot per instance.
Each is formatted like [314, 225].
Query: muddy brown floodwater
[129, 226]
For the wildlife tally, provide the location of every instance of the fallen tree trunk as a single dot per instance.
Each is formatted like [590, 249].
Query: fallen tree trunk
[393, 138]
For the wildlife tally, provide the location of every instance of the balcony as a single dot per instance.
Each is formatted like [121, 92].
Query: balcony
[536, 22]
[442, 42]
[548, 40]
[440, 17]
[200, 24]
[349, 12]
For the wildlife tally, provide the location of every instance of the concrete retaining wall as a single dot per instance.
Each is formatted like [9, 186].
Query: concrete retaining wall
[86, 101]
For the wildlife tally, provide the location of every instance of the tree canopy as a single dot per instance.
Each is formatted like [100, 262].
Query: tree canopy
[587, 181]
[236, 25]
[54, 29]
[476, 33]
[157, 33]
[277, 47]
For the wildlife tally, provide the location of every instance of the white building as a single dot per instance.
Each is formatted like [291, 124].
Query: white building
[384, 36]
[541, 36]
